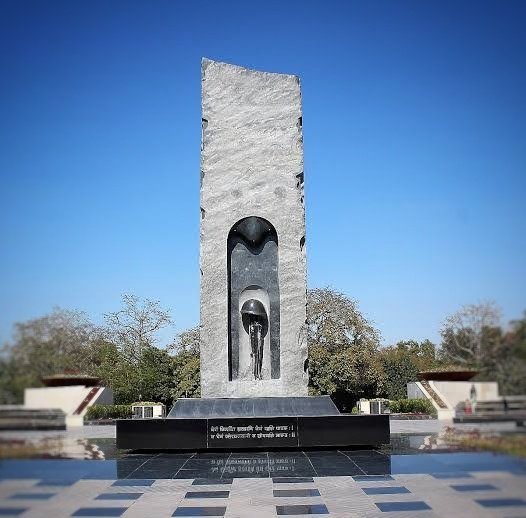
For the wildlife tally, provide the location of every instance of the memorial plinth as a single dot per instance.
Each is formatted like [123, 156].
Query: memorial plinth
[253, 423]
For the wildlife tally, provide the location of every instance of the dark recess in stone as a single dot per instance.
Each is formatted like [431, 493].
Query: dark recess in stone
[299, 180]
[302, 242]
[252, 262]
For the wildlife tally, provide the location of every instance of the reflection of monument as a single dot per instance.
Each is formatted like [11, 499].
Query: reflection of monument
[253, 282]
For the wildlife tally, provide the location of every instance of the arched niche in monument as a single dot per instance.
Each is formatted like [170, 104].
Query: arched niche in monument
[253, 300]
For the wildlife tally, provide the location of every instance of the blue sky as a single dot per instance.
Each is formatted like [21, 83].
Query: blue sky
[415, 151]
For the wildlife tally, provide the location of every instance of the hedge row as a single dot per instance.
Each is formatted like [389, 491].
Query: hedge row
[412, 406]
[108, 412]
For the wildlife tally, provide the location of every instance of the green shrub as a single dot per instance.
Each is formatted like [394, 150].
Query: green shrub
[412, 406]
[108, 412]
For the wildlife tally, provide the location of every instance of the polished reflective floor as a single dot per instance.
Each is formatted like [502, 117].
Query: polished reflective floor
[413, 476]
[284, 464]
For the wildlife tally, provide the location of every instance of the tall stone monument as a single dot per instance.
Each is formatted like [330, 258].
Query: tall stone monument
[253, 291]
[252, 234]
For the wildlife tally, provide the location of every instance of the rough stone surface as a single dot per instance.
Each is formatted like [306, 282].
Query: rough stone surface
[251, 165]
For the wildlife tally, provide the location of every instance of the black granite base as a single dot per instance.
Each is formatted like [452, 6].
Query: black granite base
[253, 432]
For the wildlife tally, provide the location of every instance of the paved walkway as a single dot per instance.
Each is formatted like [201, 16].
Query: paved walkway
[477, 495]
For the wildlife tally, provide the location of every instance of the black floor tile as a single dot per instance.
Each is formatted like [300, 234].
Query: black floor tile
[374, 468]
[200, 511]
[346, 469]
[474, 487]
[31, 496]
[402, 506]
[294, 473]
[246, 466]
[284, 510]
[56, 482]
[295, 492]
[324, 454]
[153, 474]
[248, 454]
[175, 456]
[205, 455]
[207, 494]
[290, 468]
[211, 481]
[197, 473]
[286, 454]
[458, 474]
[335, 471]
[385, 490]
[501, 502]
[366, 454]
[134, 482]
[371, 478]
[291, 480]
[204, 464]
[165, 463]
[12, 511]
[125, 468]
[283, 463]
[254, 474]
[100, 511]
[119, 496]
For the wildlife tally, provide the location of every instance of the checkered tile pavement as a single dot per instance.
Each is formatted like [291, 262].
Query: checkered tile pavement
[464, 494]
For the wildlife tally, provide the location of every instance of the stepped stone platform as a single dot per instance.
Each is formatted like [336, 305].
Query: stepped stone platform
[253, 407]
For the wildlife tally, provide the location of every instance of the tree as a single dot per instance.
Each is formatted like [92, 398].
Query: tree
[403, 362]
[54, 343]
[517, 335]
[334, 321]
[468, 336]
[188, 341]
[157, 376]
[187, 363]
[134, 328]
[343, 349]
[510, 368]
[187, 375]
[473, 337]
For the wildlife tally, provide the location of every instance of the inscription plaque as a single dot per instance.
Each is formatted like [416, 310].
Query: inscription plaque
[252, 432]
